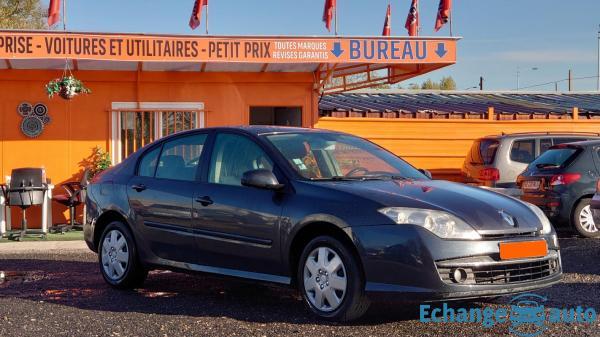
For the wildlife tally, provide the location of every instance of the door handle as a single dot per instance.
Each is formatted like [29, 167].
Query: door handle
[139, 188]
[205, 201]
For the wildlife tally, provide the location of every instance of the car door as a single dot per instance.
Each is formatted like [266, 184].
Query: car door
[522, 153]
[237, 226]
[161, 196]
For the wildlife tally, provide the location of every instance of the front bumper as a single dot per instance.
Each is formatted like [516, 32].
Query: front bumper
[412, 262]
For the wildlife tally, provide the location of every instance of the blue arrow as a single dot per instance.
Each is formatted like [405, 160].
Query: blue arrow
[441, 50]
[337, 49]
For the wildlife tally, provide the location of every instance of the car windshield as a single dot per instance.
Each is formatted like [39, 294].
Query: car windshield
[554, 158]
[331, 156]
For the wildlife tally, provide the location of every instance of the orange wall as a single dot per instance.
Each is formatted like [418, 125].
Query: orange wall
[79, 125]
[441, 145]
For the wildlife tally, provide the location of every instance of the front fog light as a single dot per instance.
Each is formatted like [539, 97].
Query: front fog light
[459, 275]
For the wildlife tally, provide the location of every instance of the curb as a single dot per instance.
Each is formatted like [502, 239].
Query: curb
[43, 246]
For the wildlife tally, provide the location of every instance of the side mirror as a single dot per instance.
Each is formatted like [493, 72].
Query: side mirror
[427, 173]
[261, 178]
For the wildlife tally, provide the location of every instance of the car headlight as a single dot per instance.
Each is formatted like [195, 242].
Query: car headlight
[442, 224]
[546, 226]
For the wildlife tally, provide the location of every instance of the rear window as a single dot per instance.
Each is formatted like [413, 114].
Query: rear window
[558, 141]
[555, 158]
[483, 151]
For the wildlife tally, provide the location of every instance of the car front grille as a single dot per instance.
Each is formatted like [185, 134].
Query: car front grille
[511, 235]
[477, 271]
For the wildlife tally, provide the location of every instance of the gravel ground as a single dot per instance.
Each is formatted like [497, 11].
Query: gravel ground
[63, 294]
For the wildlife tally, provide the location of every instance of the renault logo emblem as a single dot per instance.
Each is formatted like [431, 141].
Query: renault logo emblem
[508, 218]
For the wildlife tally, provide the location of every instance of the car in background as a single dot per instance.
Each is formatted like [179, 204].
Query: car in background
[595, 205]
[562, 182]
[496, 161]
[332, 214]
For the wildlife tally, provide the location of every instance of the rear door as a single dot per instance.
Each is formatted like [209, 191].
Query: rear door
[237, 227]
[522, 153]
[161, 196]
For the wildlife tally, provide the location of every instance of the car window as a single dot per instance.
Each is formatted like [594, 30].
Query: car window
[147, 165]
[321, 156]
[179, 158]
[555, 158]
[523, 151]
[232, 156]
[561, 140]
[483, 151]
[545, 144]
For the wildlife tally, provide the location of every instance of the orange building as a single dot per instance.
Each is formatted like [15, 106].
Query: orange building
[148, 86]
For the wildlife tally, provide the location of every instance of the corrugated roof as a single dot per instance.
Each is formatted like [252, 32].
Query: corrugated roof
[460, 102]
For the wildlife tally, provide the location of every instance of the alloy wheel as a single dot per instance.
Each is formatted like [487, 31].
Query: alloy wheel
[586, 220]
[115, 255]
[325, 279]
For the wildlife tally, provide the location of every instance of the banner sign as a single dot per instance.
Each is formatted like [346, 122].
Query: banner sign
[119, 47]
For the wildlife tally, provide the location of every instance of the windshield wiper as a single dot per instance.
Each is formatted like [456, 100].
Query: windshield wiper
[361, 178]
[547, 165]
[384, 176]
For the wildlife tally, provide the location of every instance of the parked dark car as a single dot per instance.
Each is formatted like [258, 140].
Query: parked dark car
[337, 216]
[595, 206]
[562, 183]
[497, 161]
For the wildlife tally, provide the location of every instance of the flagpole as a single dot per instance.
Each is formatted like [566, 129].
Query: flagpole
[390, 23]
[64, 15]
[418, 19]
[450, 19]
[206, 18]
[336, 18]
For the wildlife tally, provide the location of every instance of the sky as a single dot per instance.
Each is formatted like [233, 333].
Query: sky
[499, 38]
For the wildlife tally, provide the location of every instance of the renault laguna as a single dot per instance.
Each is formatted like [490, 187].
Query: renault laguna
[338, 217]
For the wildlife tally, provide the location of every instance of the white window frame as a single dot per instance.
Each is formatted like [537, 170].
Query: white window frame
[115, 138]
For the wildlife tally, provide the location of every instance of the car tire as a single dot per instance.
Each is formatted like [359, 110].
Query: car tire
[582, 216]
[118, 259]
[321, 277]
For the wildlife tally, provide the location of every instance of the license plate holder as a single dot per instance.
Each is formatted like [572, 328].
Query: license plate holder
[531, 185]
[523, 249]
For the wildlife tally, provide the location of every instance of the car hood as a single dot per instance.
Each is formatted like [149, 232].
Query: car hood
[484, 210]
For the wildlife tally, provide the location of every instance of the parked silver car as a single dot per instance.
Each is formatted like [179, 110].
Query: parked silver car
[496, 161]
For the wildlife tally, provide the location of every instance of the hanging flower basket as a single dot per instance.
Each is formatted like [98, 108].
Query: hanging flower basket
[66, 87]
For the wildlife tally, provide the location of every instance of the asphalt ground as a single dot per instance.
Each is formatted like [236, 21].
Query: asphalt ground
[62, 294]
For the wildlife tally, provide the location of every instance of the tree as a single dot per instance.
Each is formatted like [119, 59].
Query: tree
[22, 14]
[446, 83]
[430, 85]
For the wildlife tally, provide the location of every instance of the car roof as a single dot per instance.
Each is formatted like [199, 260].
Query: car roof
[583, 143]
[258, 130]
[543, 134]
[273, 129]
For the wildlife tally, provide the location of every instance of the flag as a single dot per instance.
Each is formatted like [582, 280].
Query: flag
[443, 14]
[53, 12]
[197, 13]
[412, 20]
[387, 28]
[330, 6]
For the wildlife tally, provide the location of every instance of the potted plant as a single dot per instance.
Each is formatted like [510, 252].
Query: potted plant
[66, 87]
[99, 160]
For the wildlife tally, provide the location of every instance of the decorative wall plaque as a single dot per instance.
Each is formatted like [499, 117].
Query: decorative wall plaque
[35, 117]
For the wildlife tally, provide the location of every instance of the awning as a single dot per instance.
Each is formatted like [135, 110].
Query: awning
[341, 63]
